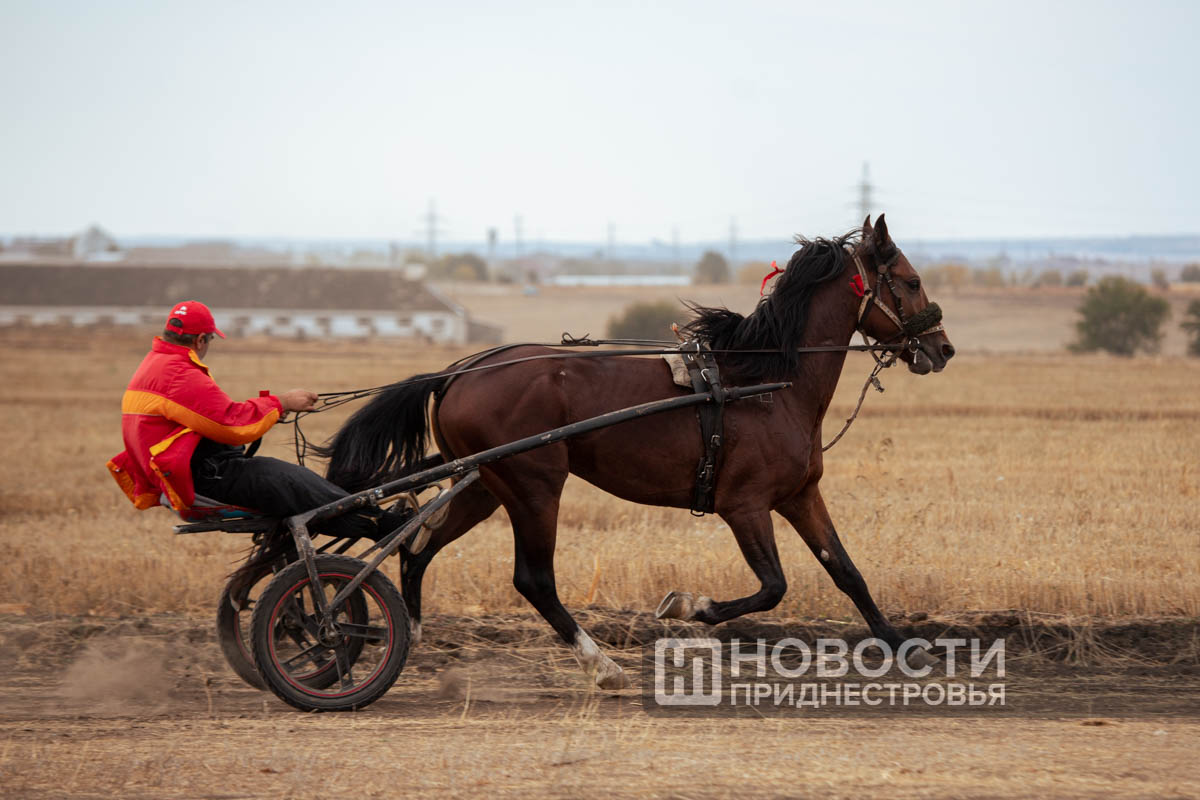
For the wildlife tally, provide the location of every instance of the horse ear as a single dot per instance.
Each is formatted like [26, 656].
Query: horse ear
[881, 231]
[867, 227]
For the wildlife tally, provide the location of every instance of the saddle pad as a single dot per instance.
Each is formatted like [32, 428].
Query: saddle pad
[679, 370]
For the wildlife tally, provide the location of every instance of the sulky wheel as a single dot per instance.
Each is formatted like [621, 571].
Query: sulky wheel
[234, 609]
[359, 656]
[233, 623]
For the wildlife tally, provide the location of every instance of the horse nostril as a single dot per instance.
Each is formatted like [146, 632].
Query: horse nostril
[947, 351]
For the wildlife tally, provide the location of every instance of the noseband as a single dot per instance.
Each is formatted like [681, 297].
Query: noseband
[927, 320]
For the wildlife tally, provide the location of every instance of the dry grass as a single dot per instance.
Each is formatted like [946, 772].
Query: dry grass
[1041, 482]
[574, 753]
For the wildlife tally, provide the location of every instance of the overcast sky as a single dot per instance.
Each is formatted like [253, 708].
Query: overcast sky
[343, 119]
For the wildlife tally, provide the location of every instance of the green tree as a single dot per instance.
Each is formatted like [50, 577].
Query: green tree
[1120, 317]
[1190, 273]
[1078, 278]
[712, 268]
[1158, 279]
[1191, 324]
[644, 321]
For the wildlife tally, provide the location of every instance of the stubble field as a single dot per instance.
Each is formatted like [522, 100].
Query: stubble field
[1021, 480]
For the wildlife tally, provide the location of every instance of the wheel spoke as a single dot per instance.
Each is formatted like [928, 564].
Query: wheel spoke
[343, 666]
[306, 653]
[372, 633]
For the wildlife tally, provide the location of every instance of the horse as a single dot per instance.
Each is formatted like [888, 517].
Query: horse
[772, 457]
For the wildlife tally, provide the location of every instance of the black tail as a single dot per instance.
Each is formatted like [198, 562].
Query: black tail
[385, 439]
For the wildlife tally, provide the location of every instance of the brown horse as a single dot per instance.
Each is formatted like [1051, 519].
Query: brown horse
[772, 458]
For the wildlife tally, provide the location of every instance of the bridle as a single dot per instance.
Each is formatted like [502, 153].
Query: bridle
[926, 321]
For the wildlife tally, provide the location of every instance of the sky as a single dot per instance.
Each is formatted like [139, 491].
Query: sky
[343, 120]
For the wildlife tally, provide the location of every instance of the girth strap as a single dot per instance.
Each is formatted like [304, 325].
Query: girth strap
[702, 368]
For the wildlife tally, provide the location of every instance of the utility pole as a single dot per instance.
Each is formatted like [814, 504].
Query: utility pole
[431, 229]
[865, 188]
[733, 244]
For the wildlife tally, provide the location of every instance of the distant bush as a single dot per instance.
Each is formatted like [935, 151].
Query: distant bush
[1120, 317]
[712, 268]
[644, 321]
[1050, 277]
[991, 278]
[459, 267]
[946, 276]
[1191, 324]
[1190, 273]
[1078, 278]
[1158, 279]
[752, 272]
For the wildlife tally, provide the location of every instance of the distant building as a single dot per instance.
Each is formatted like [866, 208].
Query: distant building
[95, 244]
[276, 301]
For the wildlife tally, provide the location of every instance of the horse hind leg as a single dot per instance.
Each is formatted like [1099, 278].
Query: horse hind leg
[463, 513]
[756, 537]
[530, 488]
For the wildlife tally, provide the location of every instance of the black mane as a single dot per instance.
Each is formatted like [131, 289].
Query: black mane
[778, 321]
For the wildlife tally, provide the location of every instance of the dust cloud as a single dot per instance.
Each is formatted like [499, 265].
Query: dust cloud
[120, 675]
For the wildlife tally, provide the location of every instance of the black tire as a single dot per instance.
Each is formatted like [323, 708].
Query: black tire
[234, 608]
[380, 619]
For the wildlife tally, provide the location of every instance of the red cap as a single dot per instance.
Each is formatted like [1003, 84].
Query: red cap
[192, 316]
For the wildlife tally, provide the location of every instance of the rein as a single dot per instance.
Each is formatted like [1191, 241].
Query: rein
[925, 321]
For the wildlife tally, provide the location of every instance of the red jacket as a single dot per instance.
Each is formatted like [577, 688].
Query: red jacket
[170, 405]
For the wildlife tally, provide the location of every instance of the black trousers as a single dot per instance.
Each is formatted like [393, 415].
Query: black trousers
[278, 489]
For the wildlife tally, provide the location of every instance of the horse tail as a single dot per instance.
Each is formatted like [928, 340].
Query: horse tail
[385, 439]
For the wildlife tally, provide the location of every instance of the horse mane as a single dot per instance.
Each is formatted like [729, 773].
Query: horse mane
[777, 322]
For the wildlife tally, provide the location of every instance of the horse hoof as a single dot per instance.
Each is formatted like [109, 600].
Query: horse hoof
[610, 676]
[420, 540]
[681, 605]
[920, 658]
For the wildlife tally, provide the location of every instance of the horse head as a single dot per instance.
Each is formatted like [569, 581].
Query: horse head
[894, 307]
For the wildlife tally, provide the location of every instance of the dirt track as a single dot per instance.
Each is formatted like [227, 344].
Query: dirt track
[144, 707]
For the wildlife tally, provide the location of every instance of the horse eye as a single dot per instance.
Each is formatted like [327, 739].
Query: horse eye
[914, 284]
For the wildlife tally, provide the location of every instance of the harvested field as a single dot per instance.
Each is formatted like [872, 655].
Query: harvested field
[1047, 483]
[1043, 498]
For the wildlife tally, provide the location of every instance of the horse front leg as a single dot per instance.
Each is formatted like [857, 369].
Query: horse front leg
[808, 515]
[756, 537]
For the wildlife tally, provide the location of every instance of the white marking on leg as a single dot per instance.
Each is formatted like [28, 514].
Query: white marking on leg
[603, 669]
[414, 638]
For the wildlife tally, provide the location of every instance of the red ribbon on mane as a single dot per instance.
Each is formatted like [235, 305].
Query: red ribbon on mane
[856, 285]
[774, 271]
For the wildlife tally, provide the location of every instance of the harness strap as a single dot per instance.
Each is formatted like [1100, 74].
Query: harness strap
[702, 368]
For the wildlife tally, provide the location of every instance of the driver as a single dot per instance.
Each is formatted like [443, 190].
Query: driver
[185, 437]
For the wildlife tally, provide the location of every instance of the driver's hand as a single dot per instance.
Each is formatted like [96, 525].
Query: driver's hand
[298, 400]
